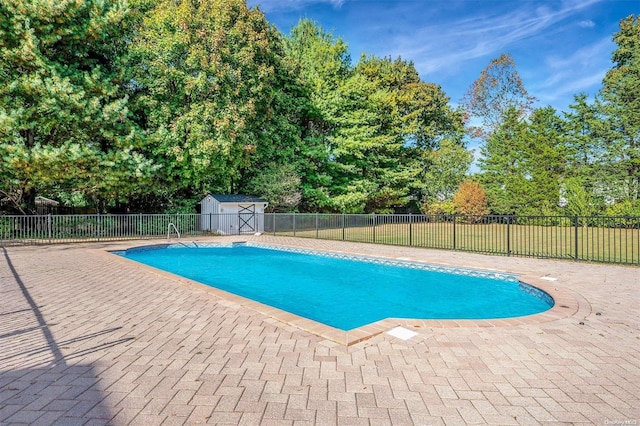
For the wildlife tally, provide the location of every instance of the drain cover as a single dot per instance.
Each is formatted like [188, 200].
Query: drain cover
[402, 333]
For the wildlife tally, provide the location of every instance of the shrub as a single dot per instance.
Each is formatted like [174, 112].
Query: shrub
[470, 199]
[438, 207]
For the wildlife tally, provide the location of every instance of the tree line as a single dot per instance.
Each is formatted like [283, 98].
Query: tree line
[148, 105]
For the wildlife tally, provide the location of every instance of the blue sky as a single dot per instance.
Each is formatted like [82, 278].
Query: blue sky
[561, 47]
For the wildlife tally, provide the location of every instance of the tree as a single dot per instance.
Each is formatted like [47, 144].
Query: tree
[583, 132]
[621, 106]
[544, 162]
[445, 168]
[322, 61]
[423, 115]
[524, 163]
[65, 124]
[215, 93]
[498, 89]
[579, 199]
[323, 64]
[387, 118]
[470, 199]
[280, 186]
[368, 127]
[369, 175]
[501, 165]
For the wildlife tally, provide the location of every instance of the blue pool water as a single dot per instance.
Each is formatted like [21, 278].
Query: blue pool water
[347, 293]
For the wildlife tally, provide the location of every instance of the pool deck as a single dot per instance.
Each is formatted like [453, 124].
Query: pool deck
[87, 337]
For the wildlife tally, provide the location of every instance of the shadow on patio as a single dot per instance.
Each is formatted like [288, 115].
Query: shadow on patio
[44, 380]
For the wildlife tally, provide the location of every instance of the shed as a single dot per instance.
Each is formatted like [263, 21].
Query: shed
[232, 214]
[46, 205]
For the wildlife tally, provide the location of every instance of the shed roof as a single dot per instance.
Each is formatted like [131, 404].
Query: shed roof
[237, 198]
[44, 201]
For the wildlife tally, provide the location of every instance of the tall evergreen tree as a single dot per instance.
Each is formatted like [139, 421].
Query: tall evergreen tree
[587, 176]
[387, 120]
[621, 105]
[64, 121]
[544, 164]
[502, 165]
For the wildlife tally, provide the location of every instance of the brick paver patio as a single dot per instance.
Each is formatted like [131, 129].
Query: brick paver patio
[89, 338]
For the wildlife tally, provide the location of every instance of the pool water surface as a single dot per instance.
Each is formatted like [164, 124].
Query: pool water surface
[347, 292]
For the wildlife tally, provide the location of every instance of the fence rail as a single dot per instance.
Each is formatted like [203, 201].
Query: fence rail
[598, 239]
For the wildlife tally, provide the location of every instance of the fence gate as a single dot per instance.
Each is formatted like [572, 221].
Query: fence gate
[246, 219]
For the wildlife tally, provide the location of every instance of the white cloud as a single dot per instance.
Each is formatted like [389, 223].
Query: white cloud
[587, 23]
[581, 71]
[441, 45]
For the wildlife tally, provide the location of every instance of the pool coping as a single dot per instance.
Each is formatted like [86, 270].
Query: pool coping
[566, 303]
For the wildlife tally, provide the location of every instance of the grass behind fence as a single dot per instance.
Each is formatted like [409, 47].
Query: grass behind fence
[611, 245]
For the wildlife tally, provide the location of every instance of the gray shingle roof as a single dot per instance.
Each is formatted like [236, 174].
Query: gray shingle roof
[237, 198]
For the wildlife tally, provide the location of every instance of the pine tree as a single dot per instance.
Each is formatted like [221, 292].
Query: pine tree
[64, 121]
[621, 106]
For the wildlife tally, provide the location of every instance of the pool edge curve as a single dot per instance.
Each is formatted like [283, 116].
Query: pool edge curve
[566, 304]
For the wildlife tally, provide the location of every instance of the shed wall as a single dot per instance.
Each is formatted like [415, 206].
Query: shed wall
[231, 218]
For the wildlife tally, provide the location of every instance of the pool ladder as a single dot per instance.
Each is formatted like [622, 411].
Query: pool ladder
[174, 228]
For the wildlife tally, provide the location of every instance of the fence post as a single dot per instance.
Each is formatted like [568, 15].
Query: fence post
[316, 225]
[49, 226]
[342, 226]
[575, 224]
[98, 227]
[410, 229]
[294, 224]
[374, 226]
[508, 235]
[274, 223]
[454, 231]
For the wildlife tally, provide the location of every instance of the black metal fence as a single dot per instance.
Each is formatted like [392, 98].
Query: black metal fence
[598, 239]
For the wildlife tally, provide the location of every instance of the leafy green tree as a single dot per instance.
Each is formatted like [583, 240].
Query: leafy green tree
[437, 207]
[424, 117]
[64, 121]
[368, 126]
[624, 208]
[280, 186]
[321, 60]
[366, 150]
[524, 162]
[385, 121]
[214, 91]
[445, 169]
[579, 200]
[583, 130]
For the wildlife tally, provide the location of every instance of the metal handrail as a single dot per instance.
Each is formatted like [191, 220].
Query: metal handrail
[175, 229]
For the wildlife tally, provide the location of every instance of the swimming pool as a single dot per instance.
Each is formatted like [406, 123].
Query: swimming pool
[346, 291]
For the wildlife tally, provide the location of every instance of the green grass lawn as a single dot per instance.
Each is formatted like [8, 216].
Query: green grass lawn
[616, 245]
